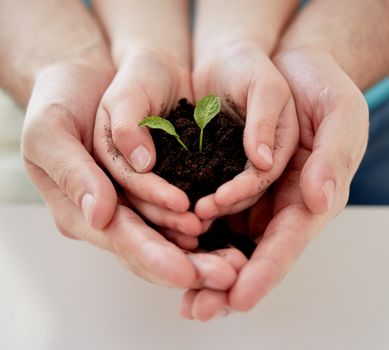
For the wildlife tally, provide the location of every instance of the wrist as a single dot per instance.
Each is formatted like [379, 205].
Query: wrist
[96, 69]
[284, 55]
[239, 37]
[143, 51]
[334, 27]
[260, 22]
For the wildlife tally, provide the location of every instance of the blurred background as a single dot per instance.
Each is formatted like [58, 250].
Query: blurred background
[14, 183]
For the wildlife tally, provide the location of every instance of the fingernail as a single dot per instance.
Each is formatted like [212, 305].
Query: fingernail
[222, 313]
[329, 190]
[140, 158]
[202, 267]
[183, 229]
[87, 205]
[265, 153]
[206, 224]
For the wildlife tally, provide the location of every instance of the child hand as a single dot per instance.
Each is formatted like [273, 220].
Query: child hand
[147, 83]
[251, 88]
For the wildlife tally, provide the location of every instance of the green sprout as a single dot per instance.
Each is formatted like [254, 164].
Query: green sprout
[155, 122]
[206, 109]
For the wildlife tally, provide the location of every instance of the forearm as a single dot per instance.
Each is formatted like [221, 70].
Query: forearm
[226, 23]
[134, 25]
[37, 34]
[355, 33]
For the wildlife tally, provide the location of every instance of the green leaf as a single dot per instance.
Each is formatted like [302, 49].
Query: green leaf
[155, 122]
[206, 109]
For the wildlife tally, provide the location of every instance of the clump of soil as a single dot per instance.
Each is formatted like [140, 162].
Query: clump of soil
[199, 174]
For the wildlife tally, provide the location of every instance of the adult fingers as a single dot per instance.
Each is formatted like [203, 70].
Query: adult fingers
[141, 249]
[338, 148]
[284, 240]
[73, 170]
[67, 216]
[204, 305]
[213, 271]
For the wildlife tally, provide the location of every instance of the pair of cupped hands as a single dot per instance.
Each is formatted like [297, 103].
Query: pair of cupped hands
[305, 135]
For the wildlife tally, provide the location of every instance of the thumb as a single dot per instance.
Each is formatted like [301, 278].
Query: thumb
[75, 172]
[338, 148]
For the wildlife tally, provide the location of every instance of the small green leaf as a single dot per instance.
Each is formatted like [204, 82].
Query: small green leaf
[206, 109]
[155, 122]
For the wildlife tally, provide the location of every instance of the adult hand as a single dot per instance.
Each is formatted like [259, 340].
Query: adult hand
[64, 75]
[333, 119]
[57, 142]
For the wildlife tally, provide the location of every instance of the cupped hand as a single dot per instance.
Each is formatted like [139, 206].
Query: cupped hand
[57, 145]
[333, 119]
[146, 83]
[255, 93]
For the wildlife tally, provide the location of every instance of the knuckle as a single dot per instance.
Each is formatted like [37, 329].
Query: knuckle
[61, 225]
[267, 124]
[346, 161]
[120, 131]
[201, 76]
[242, 49]
[67, 177]
[271, 84]
[38, 120]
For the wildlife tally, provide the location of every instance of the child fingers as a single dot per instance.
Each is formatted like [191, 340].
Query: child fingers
[206, 208]
[126, 106]
[186, 223]
[245, 185]
[182, 240]
[254, 181]
[267, 97]
[148, 186]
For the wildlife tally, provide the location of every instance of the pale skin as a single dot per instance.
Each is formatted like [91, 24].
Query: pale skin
[61, 76]
[300, 210]
[231, 59]
[152, 54]
[325, 63]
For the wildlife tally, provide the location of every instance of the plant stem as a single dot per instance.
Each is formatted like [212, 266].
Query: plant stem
[201, 141]
[181, 143]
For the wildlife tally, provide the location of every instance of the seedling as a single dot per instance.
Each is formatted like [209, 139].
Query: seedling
[155, 122]
[206, 109]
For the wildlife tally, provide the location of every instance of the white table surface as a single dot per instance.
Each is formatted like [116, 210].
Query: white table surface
[59, 294]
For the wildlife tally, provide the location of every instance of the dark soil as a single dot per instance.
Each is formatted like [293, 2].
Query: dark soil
[200, 174]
